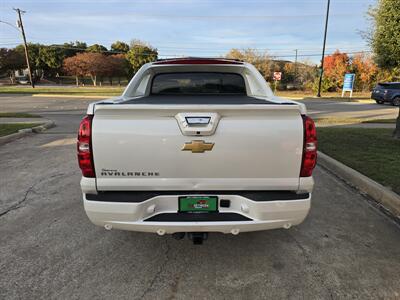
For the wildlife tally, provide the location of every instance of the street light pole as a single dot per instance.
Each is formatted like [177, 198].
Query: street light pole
[323, 49]
[21, 26]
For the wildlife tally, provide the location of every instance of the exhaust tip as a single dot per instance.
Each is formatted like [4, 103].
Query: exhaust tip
[235, 231]
[108, 227]
[160, 231]
[287, 225]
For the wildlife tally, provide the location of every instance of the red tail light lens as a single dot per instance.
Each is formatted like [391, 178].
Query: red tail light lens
[310, 147]
[84, 147]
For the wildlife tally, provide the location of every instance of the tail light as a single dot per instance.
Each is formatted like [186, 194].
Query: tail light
[310, 148]
[84, 147]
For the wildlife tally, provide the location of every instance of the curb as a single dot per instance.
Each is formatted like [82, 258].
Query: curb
[344, 100]
[389, 199]
[24, 132]
[71, 96]
[365, 101]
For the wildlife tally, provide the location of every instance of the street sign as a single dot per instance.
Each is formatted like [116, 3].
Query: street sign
[277, 76]
[348, 83]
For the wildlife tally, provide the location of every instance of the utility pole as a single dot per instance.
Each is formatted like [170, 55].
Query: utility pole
[21, 26]
[323, 49]
[295, 66]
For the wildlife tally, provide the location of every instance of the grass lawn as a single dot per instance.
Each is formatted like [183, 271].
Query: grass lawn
[17, 115]
[371, 151]
[6, 129]
[343, 121]
[72, 90]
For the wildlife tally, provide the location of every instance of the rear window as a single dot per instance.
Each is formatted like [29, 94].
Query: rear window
[198, 83]
[389, 86]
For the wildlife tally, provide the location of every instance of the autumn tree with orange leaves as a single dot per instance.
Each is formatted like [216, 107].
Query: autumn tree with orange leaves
[366, 71]
[338, 64]
[95, 65]
[335, 67]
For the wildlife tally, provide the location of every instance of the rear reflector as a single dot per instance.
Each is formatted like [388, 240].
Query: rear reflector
[310, 147]
[84, 147]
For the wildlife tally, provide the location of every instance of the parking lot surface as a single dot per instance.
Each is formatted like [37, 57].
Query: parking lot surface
[346, 248]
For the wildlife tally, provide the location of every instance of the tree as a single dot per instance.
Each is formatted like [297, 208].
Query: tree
[139, 54]
[307, 71]
[88, 64]
[288, 73]
[385, 39]
[385, 34]
[72, 48]
[37, 64]
[118, 67]
[96, 65]
[365, 70]
[52, 58]
[261, 60]
[10, 61]
[120, 47]
[96, 48]
[75, 66]
[335, 67]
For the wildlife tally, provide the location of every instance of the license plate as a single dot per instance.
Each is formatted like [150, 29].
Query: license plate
[198, 203]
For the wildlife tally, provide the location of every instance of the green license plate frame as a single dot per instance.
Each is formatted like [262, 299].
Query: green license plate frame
[198, 204]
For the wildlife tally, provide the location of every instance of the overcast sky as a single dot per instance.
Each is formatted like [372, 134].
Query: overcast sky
[193, 27]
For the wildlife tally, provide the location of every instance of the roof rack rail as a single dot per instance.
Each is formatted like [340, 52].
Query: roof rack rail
[198, 61]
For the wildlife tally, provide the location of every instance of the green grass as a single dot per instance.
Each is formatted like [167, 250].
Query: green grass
[344, 121]
[371, 151]
[6, 129]
[18, 115]
[81, 91]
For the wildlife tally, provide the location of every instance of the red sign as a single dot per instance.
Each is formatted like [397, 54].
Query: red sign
[277, 76]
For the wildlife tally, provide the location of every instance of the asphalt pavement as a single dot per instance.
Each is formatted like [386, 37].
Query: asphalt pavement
[323, 108]
[346, 248]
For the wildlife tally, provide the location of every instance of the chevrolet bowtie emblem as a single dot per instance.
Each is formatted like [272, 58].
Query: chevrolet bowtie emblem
[197, 146]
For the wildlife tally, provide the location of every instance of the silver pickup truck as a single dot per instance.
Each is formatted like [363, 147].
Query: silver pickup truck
[197, 146]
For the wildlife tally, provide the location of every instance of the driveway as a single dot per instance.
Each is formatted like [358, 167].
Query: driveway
[346, 248]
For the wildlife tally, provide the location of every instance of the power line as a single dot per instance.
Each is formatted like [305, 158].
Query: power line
[8, 23]
[273, 55]
[213, 49]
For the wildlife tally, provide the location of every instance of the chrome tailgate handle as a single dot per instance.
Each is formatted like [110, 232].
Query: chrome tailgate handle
[197, 124]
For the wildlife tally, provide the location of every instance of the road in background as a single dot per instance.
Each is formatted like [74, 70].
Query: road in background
[319, 109]
[59, 108]
[346, 248]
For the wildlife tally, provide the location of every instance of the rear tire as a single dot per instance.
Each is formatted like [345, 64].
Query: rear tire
[396, 101]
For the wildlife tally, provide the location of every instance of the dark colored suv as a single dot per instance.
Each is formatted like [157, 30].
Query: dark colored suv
[387, 92]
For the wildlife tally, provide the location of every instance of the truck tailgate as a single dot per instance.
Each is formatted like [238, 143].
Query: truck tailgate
[139, 147]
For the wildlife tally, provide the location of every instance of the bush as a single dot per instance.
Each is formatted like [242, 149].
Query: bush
[326, 86]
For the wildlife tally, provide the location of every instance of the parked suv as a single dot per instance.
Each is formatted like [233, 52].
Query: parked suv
[387, 92]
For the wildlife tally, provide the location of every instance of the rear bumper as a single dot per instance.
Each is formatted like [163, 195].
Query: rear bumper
[158, 214]
[377, 97]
